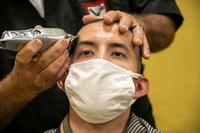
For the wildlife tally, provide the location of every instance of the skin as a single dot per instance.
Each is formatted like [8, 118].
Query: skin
[39, 72]
[32, 74]
[97, 40]
[155, 34]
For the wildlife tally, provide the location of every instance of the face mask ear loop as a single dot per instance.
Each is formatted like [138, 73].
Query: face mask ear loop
[135, 76]
[134, 82]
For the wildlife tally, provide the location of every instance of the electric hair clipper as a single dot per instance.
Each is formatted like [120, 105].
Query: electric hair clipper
[14, 40]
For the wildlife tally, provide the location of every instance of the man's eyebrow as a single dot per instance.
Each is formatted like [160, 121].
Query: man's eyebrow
[112, 45]
[119, 45]
[86, 42]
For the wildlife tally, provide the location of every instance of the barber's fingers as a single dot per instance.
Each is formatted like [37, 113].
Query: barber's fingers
[108, 17]
[125, 20]
[64, 69]
[38, 27]
[52, 53]
[54, 71]
[138, 34]
[90, 18]
[62, 75]
[112, 16]
[125, 23]
[145, 48]
[140, 39]
[27, 53]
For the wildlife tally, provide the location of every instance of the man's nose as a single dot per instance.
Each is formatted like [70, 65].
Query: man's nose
[101, 54]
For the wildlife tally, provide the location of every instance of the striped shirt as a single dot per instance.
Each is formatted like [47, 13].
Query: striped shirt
[139, 125]
[134, 125]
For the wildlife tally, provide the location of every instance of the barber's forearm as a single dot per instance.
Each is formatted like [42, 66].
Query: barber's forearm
[159, 30]
[11, 101]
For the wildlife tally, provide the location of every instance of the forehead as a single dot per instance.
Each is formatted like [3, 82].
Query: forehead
[99, 30]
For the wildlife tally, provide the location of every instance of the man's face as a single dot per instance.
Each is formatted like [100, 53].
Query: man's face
[97, 40]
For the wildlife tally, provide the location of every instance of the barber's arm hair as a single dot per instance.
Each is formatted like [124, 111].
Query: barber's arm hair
[160, 19]
[159, 29]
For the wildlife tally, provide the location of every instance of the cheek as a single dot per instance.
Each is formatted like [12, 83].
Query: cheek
[133, 65]
[128, 65]
[133, 68]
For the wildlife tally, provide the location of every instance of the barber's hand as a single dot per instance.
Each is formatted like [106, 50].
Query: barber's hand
[126, 21]
[38, 72]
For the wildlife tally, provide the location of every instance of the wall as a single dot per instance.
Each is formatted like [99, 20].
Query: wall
[174, 76]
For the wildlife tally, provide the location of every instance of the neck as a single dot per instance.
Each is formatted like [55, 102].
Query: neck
[116, 125]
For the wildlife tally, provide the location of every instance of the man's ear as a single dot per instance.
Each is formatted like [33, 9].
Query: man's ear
[61, 83]
[141, 87]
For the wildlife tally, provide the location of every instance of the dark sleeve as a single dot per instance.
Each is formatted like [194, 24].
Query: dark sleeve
[166, 7]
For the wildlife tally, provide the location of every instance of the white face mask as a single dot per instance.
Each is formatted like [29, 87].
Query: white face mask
[99, 91]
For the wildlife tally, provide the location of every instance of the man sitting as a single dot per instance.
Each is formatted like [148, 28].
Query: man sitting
[103, 82]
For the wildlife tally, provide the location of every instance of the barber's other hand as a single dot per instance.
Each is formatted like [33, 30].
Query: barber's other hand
[126, 21]
[38, 72]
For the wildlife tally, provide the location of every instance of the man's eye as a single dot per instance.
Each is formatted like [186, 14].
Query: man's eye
[86, 53]
[118, 54]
